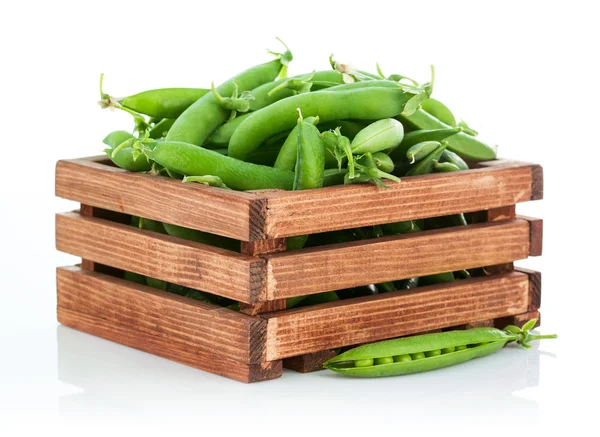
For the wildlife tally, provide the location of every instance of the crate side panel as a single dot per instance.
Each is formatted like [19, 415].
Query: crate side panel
[343, 207]
[208, 361]
[346, 265]
[222, 212]
[168, 316]
[363, 320]
[171, 259]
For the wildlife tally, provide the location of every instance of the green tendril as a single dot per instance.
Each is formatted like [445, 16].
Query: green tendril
[213, 181]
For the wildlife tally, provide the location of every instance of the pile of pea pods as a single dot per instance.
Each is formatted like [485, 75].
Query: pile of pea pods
[261, 129]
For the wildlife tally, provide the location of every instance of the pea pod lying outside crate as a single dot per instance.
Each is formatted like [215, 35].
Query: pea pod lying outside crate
[254, 343]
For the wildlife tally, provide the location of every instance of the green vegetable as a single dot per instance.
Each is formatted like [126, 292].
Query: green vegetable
[429, 351]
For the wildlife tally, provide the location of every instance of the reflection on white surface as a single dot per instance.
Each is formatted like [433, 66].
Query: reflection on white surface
[116, 378]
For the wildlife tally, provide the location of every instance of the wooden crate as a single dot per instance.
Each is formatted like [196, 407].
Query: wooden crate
[255, 343]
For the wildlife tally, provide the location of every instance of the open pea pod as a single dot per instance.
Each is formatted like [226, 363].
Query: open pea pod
[425, 352]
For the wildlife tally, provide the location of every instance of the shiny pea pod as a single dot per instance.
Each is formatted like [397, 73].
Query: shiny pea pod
[366, 104]
[124, 158]
[439, 111]
[286, 159]
[190, 160]
[348, 128]
[419, 136]
[164, 102]
[448, 156]
[310, 166]
[428, 351]
[205, 115]
[380, 135]
[425, 166]
[223, 134]
[421, 150]
[161, 128]
[383, 162]
[466, 146]
[445, 167]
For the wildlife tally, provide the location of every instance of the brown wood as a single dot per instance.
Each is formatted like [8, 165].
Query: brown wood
[351, 206]
[309, 362]
[536, 232]
[257, 248]
[518, 319]
[171, 259]
[260, 247]
[537, 185]
[202, 359]
[167, 315]
[362, 320]
[92, 181]
[535, 288]
[495, 215]
[338, 266]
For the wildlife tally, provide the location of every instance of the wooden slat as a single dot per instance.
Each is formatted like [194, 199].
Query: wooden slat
[536, 234]
[535, 288]
[206, 360]
[346, 265]
[354, 321]
[518, 320]
[224, 212]
[169, 316]
[195, 265]
[309, 362]
[341, 207]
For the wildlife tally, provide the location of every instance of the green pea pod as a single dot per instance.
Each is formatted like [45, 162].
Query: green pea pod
[314, 299]
[116, 138]
[425, 166]
[419, 136]
[366, 104]
[125, 159]
[421, 150]
[272, 92]
[380, 135]
[286, 159]
[190, 160]
[439, 111]
[348, 128]
[310, 162]
[202, 237]
[223, 134]
[310, 166]
[135, 277]
[445, 167]
[400, 228]
[428, 351]
[383, 162]
[202, 118]
[161, 128]
[164, 102]
[466, 146]
[451, 157]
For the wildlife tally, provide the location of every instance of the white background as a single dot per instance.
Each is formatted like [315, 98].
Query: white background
[525, 74]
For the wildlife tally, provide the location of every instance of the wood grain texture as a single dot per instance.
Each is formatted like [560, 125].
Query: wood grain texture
[171, 259]
[537, 186]
[535, 288]
[536, 235]
[496, 215]
[362, 320]
[92, 181]
[206, 360]
[351, 206]
[518, 320]
[346, 265]
[174, 318]
[308, 362]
